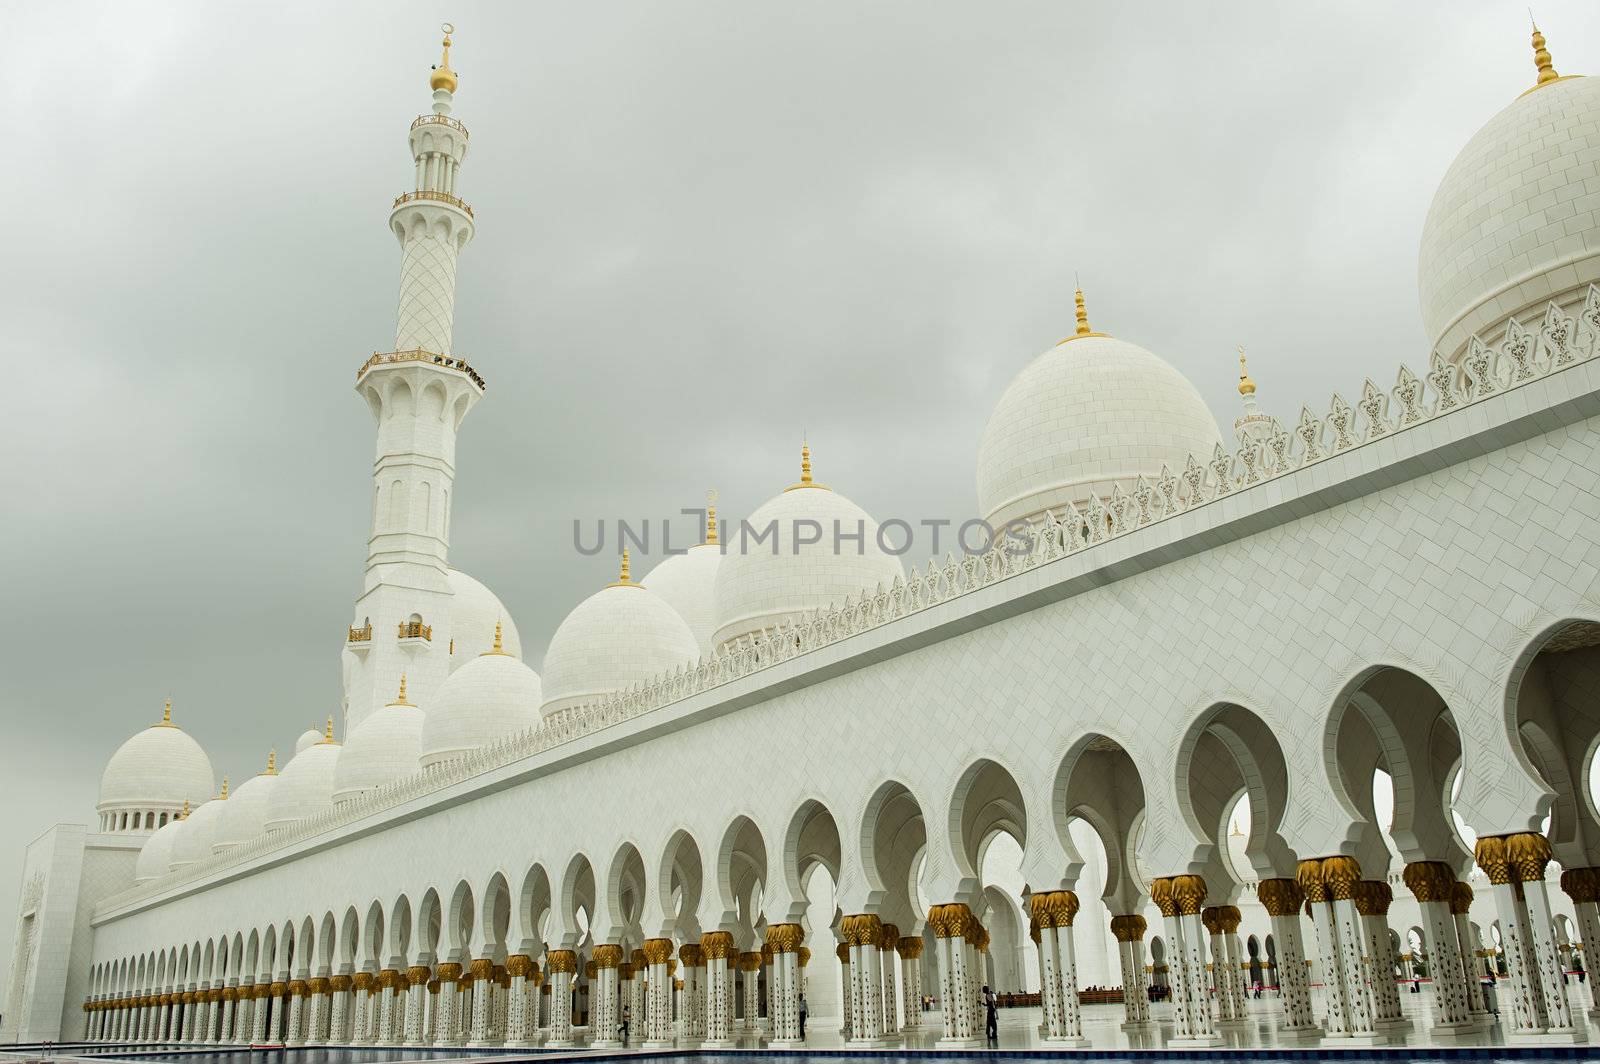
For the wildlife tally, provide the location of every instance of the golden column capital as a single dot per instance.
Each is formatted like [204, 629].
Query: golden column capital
[949, 920]
[657, 950]
[297, 988]
[909, 946]
[1161, 896]
[1581, 884]
[1373, 896]
[339, 983]
[1281, 896]
[564, 960]
[1491, 854]
[692, 955]
[482, 968]
[1129, 927]
[1530, 855]
[448, 972]
[1188, 894]
[1054, 908]
[842, 951]
[606, 955]
[891, 936]
[785, 938]
[1429, 880]
[750, 961]
[1341, 874]
[1460, 898]
[1308, 874]
[862, 929]
[718, 945]
[519, 964]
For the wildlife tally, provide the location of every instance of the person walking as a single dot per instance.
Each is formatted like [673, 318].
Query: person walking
[804, 1012]
[991, 1017]
[627, 1015]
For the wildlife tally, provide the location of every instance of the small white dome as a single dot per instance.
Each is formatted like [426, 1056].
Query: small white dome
[384, 747]
[194, 842]
[1513, 225]
[155, 857]
[688, 583]
[304, 787]
[620, 636]
[244, 814]
[490, 697]
[157, 769]
[759, 586]
[1089, 414]
[308, 738]
[474, 611]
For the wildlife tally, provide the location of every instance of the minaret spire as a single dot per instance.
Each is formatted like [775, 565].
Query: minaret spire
[1542, 62]
[420, 392]
[1252, 426]
[711, 517]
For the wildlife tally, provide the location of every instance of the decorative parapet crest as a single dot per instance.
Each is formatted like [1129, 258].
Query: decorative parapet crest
[1522, 357]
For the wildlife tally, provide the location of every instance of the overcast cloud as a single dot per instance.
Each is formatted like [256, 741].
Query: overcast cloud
[704, 228]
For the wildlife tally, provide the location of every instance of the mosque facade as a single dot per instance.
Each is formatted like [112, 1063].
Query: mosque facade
[1169, 683]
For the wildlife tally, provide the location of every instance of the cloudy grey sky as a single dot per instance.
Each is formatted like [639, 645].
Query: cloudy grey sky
[704, 228]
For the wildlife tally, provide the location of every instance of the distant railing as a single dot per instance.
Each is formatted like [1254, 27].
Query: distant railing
[417, 354]
[441, 120]
[415, 630]
[430, 194]
[362, 634]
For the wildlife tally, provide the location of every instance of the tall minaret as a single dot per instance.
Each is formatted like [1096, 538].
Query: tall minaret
[1252, 426]
[420, 392]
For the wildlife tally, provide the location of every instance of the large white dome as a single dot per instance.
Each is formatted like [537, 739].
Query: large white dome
[688, 583]
[621, 636]
[200, 828]
[244, 814]
[383, 748]
[1088, 414]
[305, 786]
[307, 739]
[474, 612]
[760, 586]
[1515, 223]
[155, 857]
[490, 697]
[157, 770]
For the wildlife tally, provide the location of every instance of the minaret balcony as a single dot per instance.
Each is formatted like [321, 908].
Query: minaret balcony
[441, 120]
[360, 639]
[385, 358]
[437, 197]
[415, 633]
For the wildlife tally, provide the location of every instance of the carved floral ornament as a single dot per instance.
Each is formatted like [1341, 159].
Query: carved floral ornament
[1129, 928]
[1523, 356]
[1280, 897]
[1517, 858]
[1430, 880]
[1582, 885]
[1056, 908]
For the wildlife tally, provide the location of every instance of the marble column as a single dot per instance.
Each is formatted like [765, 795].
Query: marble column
[360, 1004]
[519, 968]
[605, 1009]
[1329, 885]
[842, 951]
[863, 932]
[1372, 900]
[692, 1003]
[1433, 883]
[718, 950]
[317, 1011]
[561, 964]
[1282, 899]
[889, 991]
[1228, 1009]
[1054, 912]
[910, 950]
[1582, 885]
[1180, 899]
[444, 1023]
[482, 973]
[1129, 930]
[1460, 905]
[658, 994]
[785, 940]
[949, 923]
[338, 1010]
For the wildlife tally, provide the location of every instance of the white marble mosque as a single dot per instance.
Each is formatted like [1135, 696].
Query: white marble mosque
[1314, 707]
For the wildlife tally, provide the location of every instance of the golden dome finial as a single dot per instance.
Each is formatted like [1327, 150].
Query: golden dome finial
[400, 699]
[185, 814]
[711, 516]
[224, 794]
[1541, 60]
[1246, 385]
[327, 732]
[443, 77]
[805, 462]
[623, 578]
[1081, 313]
[499, 636]
[166, 715]
[272, 762]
